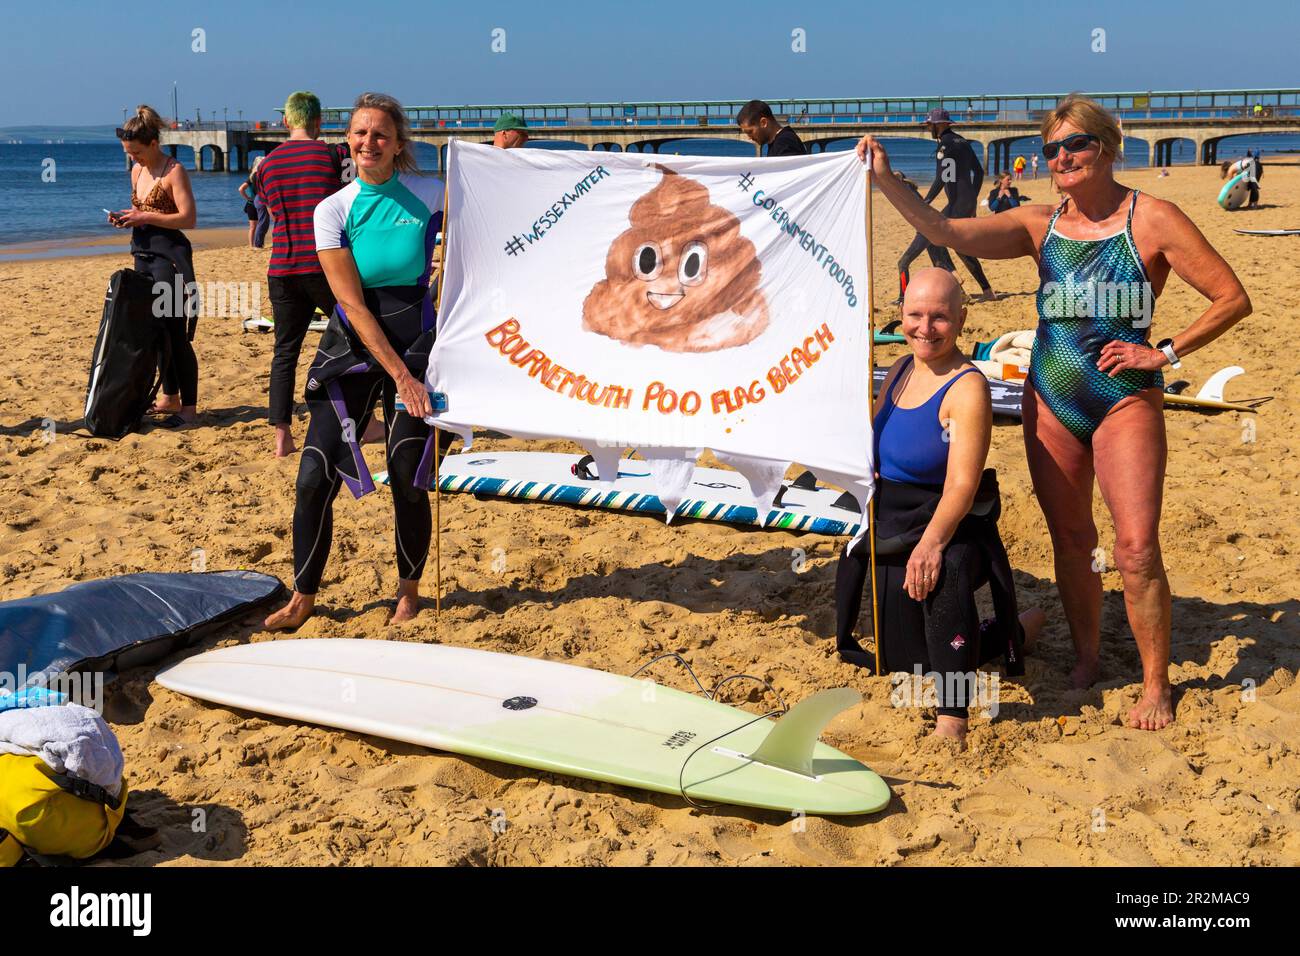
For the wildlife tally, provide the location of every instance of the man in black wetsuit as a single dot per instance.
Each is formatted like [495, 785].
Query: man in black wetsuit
[756, 121]
[957, 171]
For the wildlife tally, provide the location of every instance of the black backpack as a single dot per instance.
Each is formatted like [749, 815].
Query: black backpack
[341, 159]
[130, 351]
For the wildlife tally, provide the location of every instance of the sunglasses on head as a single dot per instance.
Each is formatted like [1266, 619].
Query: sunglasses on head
[139, 135]
[1072, 144]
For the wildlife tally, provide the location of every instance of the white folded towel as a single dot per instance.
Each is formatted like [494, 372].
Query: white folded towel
[71, 739]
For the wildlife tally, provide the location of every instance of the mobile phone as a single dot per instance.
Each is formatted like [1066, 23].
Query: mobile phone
[438, 401]
[112, 216]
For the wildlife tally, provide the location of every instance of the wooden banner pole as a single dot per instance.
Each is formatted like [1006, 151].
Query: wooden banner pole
[437, 434]
[871, 371]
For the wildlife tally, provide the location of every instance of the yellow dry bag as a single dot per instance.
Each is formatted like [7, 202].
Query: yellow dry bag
[52, 817]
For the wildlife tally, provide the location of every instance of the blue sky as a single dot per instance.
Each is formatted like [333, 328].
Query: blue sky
[81, 62]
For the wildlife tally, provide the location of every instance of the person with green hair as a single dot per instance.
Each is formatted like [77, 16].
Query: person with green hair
[292, 179]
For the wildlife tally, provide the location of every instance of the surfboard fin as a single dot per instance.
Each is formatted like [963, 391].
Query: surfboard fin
[1213, 388]
[789, 745]
[805, 482]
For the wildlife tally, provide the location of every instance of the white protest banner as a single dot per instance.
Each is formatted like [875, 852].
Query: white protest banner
[663, 303]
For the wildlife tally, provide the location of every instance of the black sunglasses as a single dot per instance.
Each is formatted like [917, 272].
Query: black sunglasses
[1072, 144]
[139, 135]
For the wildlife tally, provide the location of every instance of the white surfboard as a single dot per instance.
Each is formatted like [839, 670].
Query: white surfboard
[547, 716]
[1210, 396]
[263, 324]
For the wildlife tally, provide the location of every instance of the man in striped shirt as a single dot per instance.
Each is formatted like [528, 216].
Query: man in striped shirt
[293, 178]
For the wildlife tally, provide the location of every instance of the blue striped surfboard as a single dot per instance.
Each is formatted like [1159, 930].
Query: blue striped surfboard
[714, 495]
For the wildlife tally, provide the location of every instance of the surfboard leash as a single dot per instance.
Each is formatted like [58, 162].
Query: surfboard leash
[681, 774]
[713, 696]
[681, 660]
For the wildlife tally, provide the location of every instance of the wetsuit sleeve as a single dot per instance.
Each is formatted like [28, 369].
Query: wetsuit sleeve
[936, 187]
[330, 221]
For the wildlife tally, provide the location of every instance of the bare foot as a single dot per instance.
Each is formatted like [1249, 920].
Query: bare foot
[167, 405]
[1155, 709]
[988, 295]
[408, 606]
[284, 445]
[1084, 674]
[292, 615]
[408, 602]
[1032, 620]
[952, 727]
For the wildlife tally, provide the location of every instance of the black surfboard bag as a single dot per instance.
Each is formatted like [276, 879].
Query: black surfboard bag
[131, 349]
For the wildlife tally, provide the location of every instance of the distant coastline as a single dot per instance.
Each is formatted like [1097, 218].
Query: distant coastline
[56, 135]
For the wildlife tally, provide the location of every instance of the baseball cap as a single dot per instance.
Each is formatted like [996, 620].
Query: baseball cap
[937, 116]
[509, 121]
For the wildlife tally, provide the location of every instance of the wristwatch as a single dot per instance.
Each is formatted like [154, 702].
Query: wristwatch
[1167, 346]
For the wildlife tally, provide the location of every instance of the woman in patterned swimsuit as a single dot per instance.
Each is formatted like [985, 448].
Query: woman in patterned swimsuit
[1093, 405]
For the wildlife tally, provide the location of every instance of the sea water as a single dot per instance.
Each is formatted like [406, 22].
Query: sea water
[55, 191]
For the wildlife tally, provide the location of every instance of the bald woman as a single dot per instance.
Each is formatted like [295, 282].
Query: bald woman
[936, 518]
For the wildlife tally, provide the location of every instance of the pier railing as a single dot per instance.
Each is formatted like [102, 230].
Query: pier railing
[1174, 106]
[231, 126]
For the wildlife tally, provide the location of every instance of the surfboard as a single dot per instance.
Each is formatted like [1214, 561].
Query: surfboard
[545, 715]
[1235, 193]
[1210, 395]
[1191, 401]
[263, 324]
[1267, 232]
[1006, 395]
[889, 334]
[714, 494]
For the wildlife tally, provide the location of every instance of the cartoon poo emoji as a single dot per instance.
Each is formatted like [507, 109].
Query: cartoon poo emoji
[681, 277]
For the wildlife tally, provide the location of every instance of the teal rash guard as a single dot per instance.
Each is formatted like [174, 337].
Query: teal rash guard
[390, 228]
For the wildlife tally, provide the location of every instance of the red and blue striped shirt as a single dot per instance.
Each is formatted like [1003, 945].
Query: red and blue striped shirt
[292, 180]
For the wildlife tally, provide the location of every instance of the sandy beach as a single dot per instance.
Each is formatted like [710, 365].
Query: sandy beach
[1055, 779]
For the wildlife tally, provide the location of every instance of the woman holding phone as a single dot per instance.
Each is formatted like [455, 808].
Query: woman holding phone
[162, 204]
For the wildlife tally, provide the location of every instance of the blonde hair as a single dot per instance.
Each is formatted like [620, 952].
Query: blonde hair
[145, 126]
[1091, 117]
[405, 161]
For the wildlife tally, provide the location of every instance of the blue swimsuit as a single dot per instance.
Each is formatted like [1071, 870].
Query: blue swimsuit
[910, 445]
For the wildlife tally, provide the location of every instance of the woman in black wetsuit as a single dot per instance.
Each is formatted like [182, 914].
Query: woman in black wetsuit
[936, 519]
[374, 239]
[162, 204]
